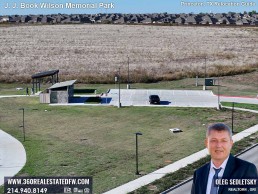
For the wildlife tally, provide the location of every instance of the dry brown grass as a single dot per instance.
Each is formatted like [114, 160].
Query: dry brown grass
[93, 53]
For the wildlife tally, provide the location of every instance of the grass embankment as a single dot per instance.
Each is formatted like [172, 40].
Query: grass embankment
[241, 105]
[237, 85]
[100, 141]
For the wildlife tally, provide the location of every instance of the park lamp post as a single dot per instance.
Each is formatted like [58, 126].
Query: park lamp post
[119, 94]
[116, 77]
[136, 135]
[218, 92]
[233, 106]
[128, 78]
[23, 126]
[205, 69]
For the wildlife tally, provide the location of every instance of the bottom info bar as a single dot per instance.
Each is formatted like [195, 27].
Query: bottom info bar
[35, 185]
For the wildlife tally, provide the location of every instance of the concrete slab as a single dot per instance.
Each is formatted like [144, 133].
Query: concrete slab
[181, 98]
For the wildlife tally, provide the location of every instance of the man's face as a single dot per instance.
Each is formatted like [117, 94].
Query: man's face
[219, 145]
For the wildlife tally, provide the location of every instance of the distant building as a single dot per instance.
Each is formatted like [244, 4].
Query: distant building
[118, 18]
[4, 19]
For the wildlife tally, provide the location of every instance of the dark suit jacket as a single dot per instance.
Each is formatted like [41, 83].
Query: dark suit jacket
[235, 168]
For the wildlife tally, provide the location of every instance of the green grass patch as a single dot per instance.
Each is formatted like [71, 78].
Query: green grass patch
[100, 141]
[241, 105]
[12, 89]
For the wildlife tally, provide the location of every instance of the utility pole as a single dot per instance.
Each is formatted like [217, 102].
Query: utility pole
[218, 92]
[128, 78]
[233, 106]
[204, 86]
[23, 126]
[119, 94]
[137, 161]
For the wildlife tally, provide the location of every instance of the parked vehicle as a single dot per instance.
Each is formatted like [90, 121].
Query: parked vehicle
[154, 99]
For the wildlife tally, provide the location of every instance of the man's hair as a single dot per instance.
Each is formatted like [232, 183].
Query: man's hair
[219, 127]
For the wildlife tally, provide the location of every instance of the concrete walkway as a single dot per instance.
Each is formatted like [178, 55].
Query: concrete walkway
[242, 109]
[12, 156]
[239, 99]
[144, 180]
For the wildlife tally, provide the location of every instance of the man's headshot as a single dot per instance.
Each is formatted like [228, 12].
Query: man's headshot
[222, 165]
[219, 143]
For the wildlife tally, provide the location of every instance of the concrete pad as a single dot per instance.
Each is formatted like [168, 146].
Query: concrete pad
[12, 156]
[179, 98]
[239, 99]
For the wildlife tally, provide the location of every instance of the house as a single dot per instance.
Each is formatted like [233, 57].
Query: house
[206, 20]
[225, 20]
[166, 20]
[180, 20]
[85, 19]
[253, 21]
[121, 20]
[190, 20]
[34, 19]
[243, 21]
[46, 19]
[147, 20]
[66, 21]
[135, 19]
[4, 19]
[14, 19]
[25, 19]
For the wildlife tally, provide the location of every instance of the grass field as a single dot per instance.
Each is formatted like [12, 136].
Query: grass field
[241, 105]
[100, 141]
[93, 53]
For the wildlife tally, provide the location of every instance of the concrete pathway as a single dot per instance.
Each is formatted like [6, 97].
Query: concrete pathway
[11, 96]
[14, 96]
[12, 156]
[242, 109]
[144, 180]
[239, 99]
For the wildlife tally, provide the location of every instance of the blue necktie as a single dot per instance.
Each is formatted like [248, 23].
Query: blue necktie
[214, 188]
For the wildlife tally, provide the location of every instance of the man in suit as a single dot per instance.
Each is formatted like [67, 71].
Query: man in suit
[219, 143]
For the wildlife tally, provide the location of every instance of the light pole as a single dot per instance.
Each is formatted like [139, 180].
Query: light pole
[115, 80]
[205, 68]
[218, 92]
[128, 78]
[196, 79]
[23, 126]
[204, 86]
[136, 135]
[119, 94]
[233, 106]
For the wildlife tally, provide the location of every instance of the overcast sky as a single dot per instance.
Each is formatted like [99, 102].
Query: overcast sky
[125, 6]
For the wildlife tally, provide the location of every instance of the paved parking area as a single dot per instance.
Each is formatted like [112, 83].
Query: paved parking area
[181, 98]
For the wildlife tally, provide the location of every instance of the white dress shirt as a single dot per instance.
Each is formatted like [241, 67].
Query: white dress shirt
[212, 173]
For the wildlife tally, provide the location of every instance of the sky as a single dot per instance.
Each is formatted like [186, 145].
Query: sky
[24, 7]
